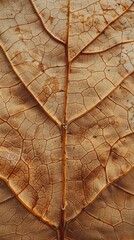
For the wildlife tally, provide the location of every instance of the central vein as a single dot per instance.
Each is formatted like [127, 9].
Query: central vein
[64, 135]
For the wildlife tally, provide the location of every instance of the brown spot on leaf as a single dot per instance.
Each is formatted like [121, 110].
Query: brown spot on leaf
[51, 19]
[41, 66]
[17, 29]
[54, 84]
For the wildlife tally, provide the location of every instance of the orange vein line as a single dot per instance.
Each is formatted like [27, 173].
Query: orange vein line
[81, 115]
[127, 135]
[63, 207]
[67, 66]
[29, 209]
[103, 189]
[101, 51]
[100, 33]
[65, 106]
[55, 38]
[123, 189]
[17, 74]
[64, 136]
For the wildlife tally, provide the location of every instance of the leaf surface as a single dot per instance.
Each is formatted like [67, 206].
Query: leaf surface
[111, 215]
[19, 223]
[66, 122]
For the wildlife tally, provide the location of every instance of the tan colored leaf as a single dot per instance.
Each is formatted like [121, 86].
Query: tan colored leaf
[67, 119]
[110, 216]
[16, 223]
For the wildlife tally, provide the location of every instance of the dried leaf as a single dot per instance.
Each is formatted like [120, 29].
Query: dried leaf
[67, 119]
[19, 223]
